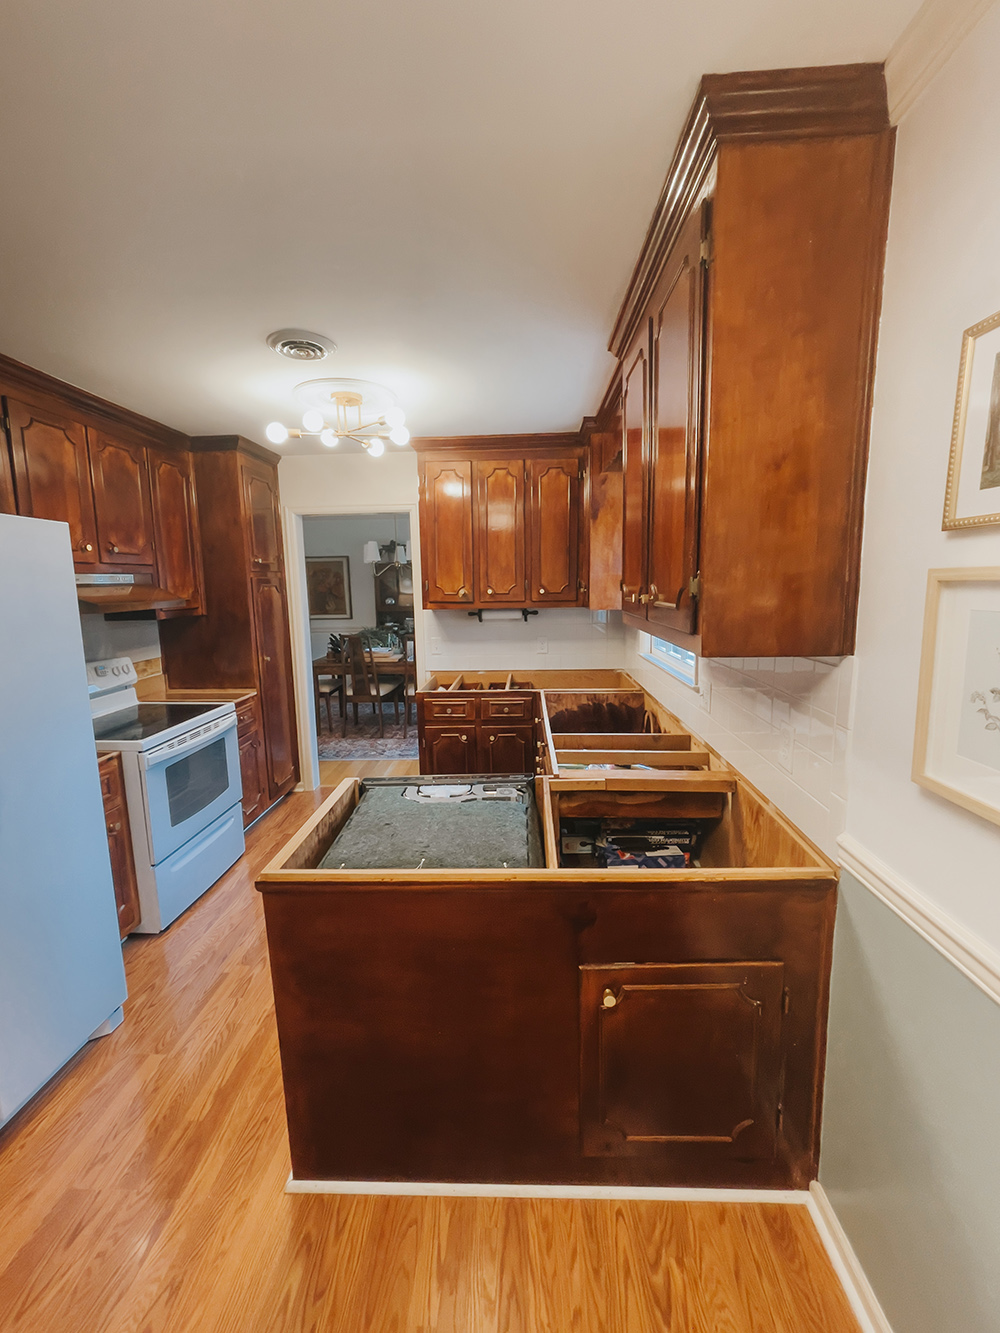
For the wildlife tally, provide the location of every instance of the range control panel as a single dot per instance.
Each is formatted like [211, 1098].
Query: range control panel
[111, 673]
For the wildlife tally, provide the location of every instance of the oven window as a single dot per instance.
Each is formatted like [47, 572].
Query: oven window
[195, 781]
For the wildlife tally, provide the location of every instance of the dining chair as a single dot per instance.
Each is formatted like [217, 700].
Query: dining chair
[363, 685]
[328, 680]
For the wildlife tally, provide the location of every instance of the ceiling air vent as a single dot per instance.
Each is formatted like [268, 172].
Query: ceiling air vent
[300, 345]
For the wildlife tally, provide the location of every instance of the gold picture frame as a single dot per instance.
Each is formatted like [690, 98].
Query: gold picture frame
[956, 746]
[972, 491]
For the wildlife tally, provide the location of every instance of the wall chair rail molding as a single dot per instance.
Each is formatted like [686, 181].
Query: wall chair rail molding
[925, 45]
[846, 1265]
[971, 955]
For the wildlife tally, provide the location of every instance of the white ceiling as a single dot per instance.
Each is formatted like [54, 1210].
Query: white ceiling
[453, 190]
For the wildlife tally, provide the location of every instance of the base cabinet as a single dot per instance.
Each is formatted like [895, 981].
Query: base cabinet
[119, 842]
[252, 767]
[477, 732]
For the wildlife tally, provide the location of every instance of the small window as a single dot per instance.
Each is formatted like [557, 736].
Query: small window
[678, 661]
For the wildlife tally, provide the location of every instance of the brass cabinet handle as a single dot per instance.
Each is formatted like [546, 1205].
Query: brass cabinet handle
[463, 591]
[644, 597]
[609, 999]
[266, 658]
[114, 828]
[652, 591]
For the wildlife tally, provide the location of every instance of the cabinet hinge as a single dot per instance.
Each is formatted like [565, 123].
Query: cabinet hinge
[694, 586]
[705, 253]
[784, 1001]
[6, 422]
[780, 1117]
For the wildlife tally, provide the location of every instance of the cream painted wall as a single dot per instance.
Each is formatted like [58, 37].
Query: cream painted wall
[942, 275]
[346, 535]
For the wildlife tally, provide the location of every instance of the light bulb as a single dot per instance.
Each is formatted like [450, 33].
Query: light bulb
[312, 420]
[395, 416]
[376, 448]
[276, 433]
[399, 435]
[329, 439]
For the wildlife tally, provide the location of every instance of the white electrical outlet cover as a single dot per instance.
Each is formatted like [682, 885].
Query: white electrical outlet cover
[543, 646]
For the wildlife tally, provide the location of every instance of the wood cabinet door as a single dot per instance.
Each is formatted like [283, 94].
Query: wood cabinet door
[446, 504]
[635, 420]
[499, 527]
[253, 775]
[274, 676]
[675, 438]
[261, 515]
[506, 749]
[121, 500]
[175, 525]
[554, 499]
[52, 474]
[680, 1053]
[449, 749]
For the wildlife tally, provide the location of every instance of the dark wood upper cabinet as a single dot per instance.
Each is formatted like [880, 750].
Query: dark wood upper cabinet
[635, 428]
[675, 436]
[274, 673]
[446, 509]
[52, 473]
[121, 500]
[554, 505]
[260, 500]
[499, 490]
[175, 525]
[501, 521]
[756, 413]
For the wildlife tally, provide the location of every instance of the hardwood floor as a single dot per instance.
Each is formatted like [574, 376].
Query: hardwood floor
[143, 1193]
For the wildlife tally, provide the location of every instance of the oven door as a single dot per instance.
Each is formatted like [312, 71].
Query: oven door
[189, 786]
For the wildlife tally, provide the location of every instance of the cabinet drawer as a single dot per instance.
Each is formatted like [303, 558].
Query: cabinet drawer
[505, 707]
[449, 709]
[246, 717]
[112, 787]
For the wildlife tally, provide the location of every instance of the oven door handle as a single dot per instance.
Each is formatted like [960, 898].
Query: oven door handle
[168, 752]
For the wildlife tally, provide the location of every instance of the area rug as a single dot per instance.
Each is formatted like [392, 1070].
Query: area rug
[363, 741]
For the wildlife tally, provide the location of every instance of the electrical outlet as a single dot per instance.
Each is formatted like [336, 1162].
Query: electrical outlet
[542, 646]
[785, 737]
[436, 647]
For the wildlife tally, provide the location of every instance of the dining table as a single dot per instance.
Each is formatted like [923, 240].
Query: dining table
[334, 667]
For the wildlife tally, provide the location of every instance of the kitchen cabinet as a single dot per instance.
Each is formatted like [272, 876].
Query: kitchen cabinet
[175, 526]
[121, 500]
[554, 513]
[274, 675]
[252, 766]
[746, 347]
[119, 842]
[499, 526]
[500, 521]
[449, 749]
[242, 639]
[52, 473]
[506, 748]
[482, 729]
[446, 519]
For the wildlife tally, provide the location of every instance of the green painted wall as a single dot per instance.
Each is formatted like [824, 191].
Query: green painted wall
[911, 1129]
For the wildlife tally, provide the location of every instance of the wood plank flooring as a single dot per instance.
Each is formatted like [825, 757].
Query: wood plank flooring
[142, 1192]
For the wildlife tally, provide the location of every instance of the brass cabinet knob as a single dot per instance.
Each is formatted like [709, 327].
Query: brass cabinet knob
[541, 592]
[489, 592]
[89, 546]
[506, 710]
[115, 549]
[266, 658]
[609, 999]
[114, 828]
[492, 739]
[652, 590]
[644, 597]
[464, 738]
[463, 591]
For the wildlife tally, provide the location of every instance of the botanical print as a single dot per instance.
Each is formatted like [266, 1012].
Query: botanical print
[329, 586]
[979, 726]
[991, 452]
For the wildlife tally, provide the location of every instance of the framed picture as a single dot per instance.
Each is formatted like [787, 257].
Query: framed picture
[972, 494]
[956, 750]
[328, 579]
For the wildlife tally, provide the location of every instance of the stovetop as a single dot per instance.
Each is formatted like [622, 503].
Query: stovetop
[142, 721]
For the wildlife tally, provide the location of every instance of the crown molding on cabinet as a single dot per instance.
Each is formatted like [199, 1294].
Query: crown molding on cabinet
[819, 102]
[18, 379]
[970, 954]
[220, 444]
[925, 45]
[507, 445]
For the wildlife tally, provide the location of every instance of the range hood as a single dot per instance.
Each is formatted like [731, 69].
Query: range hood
[113, 593]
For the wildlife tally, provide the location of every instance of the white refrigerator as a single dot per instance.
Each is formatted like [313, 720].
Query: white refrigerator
[61, 974]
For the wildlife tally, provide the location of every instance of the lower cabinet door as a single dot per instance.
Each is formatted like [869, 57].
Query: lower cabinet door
[680, 1054]
[450, 749]
[506, 749]
[274, 673]
[123, 868]
[254, 781]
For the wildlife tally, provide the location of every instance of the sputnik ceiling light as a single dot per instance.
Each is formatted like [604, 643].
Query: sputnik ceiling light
[344, 409]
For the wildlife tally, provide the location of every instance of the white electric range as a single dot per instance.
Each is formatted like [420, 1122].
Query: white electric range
[182, 787]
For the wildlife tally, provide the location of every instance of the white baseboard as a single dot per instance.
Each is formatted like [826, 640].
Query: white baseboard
[462, 1189]
[857, 1288]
